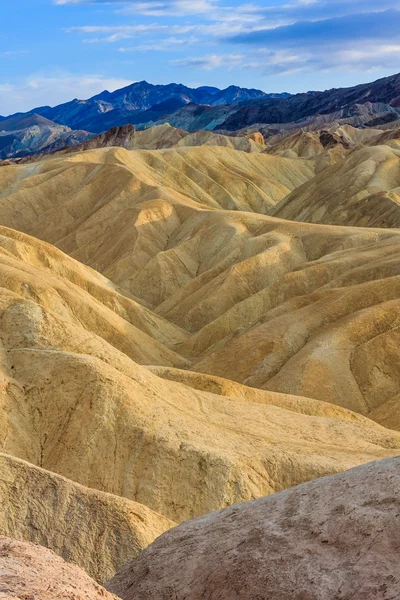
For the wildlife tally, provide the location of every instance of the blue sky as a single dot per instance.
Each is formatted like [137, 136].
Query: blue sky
[54, 50]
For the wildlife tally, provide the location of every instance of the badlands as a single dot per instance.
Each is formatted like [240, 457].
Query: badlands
[190, 322]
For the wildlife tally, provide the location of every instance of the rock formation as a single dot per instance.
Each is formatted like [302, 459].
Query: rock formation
[32, 572]
[96, 531]
[336, 537]
[257, 137]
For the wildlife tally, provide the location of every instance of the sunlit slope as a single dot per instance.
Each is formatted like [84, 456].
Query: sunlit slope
[164, 136]
[297, 308]
[51, 296]
[116, 210]
[75, 403]
[292, 307]
[362, 189]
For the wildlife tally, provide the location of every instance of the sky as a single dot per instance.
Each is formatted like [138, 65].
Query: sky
[52, 51]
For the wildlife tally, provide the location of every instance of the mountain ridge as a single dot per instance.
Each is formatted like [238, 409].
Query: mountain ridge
[138, 96]
[226, 111]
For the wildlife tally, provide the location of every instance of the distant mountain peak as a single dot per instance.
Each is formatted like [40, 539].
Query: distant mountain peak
[136, 97]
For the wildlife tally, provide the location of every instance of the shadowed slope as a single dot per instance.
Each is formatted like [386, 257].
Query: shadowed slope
[96, 531]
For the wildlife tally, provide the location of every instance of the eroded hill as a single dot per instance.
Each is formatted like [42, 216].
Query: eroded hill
[76, 403]
[216, 354]
[94, 530]
[361, 189]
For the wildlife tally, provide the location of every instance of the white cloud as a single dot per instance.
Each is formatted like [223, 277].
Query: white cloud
[354, 56]
[162, 45]
[346, 57]
[117, 33]
[202, 32]
[176, 8]
[293, 35]
[52, 90]
[210, 61]
[12, 53]
[153, 7]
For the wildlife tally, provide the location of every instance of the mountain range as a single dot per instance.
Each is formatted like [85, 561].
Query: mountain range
[76, 121]
[139, 97]
[231, 110]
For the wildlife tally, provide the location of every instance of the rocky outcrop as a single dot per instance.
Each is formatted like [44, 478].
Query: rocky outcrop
[116, 136]
[257, 137]
[32, 572]
[336, 537]
[96, 531]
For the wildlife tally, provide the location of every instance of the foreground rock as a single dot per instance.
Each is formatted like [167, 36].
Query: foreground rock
[336, 537]
[96, 531]
[34, 573]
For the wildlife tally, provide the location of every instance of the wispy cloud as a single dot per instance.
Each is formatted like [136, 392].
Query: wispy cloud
[170, 8]
[162, 45]
[12, 53]
[357, 41]
[285, 36]
[117, 33]
[152, 7]
[347, 28]
[210, 61]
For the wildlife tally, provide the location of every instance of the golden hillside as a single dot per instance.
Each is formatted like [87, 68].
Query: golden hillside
[116, 210]
[362, 189]
[166, 341]
[75, 402]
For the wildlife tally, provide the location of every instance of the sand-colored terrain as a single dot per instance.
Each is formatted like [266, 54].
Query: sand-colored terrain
[164, 136]
[166, 341]
[335, 537]
[31, 572]
[362, 189]
[116, 210]
[76, 402]
[94, 530]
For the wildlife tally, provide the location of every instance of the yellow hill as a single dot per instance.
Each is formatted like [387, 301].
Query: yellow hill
[96, 531]
[75, 403]
[363, 189]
